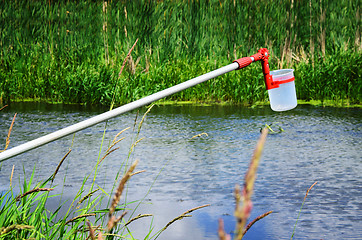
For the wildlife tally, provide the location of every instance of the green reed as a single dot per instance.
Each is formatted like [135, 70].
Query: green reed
[71, 52]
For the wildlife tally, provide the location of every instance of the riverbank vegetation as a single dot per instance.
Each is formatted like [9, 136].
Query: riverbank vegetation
[72, 52]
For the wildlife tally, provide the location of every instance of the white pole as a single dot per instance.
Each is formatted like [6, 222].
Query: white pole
[115, 112]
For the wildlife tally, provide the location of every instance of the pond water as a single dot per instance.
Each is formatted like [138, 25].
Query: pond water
[318, 144]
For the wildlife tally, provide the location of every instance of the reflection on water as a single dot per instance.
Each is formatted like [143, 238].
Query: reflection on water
[319, 144]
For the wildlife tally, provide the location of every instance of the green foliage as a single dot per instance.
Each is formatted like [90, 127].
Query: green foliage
[26, 215]
[335, 77]
[72, 51]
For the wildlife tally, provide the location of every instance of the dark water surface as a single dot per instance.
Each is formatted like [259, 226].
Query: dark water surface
[319, 144]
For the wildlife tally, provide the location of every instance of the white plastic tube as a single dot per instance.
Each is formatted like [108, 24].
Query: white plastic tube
[114, 113]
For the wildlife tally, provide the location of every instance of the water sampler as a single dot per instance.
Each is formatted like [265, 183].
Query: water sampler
[279, 83]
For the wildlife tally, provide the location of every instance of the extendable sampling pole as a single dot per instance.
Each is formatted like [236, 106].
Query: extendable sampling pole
[238, 64]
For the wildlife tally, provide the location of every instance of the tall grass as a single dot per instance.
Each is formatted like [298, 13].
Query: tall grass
[89, 215]
[25, 215]
[72, 51]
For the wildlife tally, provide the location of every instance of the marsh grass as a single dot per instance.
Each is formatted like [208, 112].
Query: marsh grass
[70, 52]
[300, 210]
[25, 215]
[60, 164]
[243, 202]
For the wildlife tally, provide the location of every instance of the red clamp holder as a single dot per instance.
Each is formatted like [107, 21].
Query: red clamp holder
[263, 56]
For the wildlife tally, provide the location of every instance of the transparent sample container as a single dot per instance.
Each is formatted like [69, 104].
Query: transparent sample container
[284, 97]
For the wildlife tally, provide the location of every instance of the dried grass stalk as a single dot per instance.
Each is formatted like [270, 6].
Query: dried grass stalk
[113, 221]
[107, 153]
[9, 132]
[6, 230]
[115, 138]
[125, 60]
[310, 188]
[300, 210]
[255, 220]
[174, 220]
[91, 231]
[33, 191]
[242, 213]
[11, 175]
[138, 217]
[183, 215]
[195, 208]
[80, 216]
[138, 172]
[114, 142]
[135, 119]
[122, 183]
[60, 163]
[94, 229]
[87, 196]
[221, 232]
[144, 116]
[120, 72]
[135, 144]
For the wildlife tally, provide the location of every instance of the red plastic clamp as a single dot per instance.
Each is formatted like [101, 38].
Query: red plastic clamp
[263, 56]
